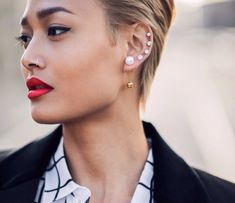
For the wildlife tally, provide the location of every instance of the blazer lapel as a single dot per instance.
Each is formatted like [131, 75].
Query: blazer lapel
[174, 180]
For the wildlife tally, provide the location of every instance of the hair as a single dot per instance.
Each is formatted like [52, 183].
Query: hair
[157, 14]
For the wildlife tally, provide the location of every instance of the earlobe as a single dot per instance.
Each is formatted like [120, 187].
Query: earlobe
[130, 64]
[129, 60]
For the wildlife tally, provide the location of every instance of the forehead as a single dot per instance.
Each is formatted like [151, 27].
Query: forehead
[84, 8]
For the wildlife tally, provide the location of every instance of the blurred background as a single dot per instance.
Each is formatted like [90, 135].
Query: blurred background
[192, 102]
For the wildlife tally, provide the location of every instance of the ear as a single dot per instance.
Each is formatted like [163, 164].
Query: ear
[140, 42]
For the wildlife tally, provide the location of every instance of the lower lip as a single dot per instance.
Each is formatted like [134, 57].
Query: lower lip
[33, 94]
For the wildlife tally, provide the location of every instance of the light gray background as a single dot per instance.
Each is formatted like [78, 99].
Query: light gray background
[192, 102]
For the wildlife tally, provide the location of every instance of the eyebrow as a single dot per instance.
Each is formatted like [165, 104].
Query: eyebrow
[44, 13]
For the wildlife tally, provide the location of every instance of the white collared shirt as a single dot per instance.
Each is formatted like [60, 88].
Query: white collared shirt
[57, 186]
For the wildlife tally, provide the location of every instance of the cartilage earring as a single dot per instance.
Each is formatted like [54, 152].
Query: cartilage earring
[146, 51]
[140, 57]
[149, 43]
[130, 84]
[129, 60]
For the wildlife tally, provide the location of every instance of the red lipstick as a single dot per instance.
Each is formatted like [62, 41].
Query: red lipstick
[37, 87]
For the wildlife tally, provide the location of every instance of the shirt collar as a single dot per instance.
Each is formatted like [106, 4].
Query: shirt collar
[58, 180]
[145, 188]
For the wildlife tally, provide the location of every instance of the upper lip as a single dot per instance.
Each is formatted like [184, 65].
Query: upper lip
[34, 83]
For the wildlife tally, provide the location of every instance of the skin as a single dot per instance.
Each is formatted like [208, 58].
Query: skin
[104, 141]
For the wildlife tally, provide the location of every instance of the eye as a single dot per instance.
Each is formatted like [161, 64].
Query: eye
[57, 30]
[23, 40]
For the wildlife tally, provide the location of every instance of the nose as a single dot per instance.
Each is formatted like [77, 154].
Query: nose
[31, 63]
[31, 58]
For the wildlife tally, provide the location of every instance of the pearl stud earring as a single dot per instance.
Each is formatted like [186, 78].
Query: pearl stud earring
[149, 43]
[129, 60]
[146, 51]
[140, 57]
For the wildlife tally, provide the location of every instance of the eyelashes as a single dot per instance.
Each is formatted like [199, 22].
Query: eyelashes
[53, 33]
[23, 40]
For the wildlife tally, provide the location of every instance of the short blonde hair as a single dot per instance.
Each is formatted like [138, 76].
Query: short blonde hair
[158, 15]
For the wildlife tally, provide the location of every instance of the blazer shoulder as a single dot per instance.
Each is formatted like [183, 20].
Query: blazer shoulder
[29, 161]
[4, 154]
[218, 189]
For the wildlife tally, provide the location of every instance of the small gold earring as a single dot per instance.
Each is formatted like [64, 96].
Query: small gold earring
[130, 84]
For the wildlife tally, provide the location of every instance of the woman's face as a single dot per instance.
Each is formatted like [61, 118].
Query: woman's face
[71, 43]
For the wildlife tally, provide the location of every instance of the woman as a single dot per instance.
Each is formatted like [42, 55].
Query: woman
[89, 65]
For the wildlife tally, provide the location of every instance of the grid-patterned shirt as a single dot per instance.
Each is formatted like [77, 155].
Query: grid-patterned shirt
[57, 186]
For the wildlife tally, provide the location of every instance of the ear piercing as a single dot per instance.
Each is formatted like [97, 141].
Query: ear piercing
[148, 43]
[130, 59]
[140, 57]
[130, 84]
[146, 51]
[37, 62]
[34, 64]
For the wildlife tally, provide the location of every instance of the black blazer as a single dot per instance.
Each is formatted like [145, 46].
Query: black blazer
[174, 180]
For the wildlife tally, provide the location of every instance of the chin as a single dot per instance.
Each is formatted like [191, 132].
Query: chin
[52, 116]
[44, 116]
[44, 119]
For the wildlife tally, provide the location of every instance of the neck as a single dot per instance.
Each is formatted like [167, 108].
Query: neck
[106, 153]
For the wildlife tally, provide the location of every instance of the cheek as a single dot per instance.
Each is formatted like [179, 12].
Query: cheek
[92, 80]
[88, 79]
[92, 65]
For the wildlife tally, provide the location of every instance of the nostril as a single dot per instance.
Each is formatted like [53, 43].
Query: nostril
[29, 63]
[33, 65]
